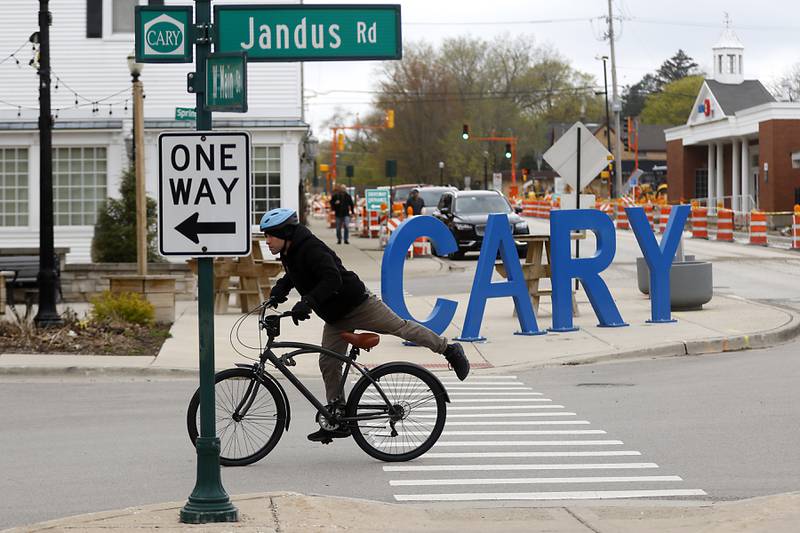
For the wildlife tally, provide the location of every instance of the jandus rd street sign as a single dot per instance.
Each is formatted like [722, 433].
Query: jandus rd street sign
[204, 194]
[163, 34]
[309, 32]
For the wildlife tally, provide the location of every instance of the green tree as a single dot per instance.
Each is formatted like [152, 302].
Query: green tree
[673, 105]
[114, 239]
[675, 68]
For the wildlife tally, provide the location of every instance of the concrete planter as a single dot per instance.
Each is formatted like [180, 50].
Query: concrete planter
[690, 283]
[158, 290]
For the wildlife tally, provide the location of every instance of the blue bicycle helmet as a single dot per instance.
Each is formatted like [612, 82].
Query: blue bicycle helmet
[279, 222]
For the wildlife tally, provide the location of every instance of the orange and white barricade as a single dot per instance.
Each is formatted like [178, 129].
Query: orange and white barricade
[373, 223]
[550, 206]
[622, 217]
[663, 217]
[317, 208]
[724, 225]
[699, 222]
[529, 208]
[758, 228]
[796, 228]
[648, 211]
[421, 246]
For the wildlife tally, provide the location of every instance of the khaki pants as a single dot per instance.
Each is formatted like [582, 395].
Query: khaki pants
[372, 315]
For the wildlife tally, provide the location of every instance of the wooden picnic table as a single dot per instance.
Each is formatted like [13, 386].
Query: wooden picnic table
[249, 278]
[534, 270]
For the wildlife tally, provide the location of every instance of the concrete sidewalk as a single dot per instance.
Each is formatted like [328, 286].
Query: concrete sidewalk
[297, 513]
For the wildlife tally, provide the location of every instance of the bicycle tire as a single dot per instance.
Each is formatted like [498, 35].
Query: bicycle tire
[415, 389]
[228, 393]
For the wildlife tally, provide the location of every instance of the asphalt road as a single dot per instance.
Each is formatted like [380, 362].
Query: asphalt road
[712, 427]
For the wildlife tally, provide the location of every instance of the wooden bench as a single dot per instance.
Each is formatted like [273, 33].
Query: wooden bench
[248, 278]
[21, 273]
[534, 269]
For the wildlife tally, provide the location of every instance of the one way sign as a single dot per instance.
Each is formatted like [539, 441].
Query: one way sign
[204, 193]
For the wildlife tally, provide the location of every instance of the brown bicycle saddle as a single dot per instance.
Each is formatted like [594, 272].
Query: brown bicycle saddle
[365, 341]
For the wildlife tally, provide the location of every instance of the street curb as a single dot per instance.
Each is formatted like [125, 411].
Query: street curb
[732, 343]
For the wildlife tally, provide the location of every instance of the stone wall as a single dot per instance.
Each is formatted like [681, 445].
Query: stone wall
[82, 281]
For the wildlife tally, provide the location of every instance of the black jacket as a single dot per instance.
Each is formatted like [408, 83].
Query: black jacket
[342, 204]
[318, 275]
[416, 204]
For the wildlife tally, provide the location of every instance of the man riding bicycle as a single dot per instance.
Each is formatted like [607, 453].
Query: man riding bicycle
[339, 297]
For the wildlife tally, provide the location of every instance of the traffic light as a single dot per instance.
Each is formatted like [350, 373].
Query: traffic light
[390, 118]
[465, 132]
[391, 168]
[348, 171]
[508, 150]
[626, 132]
[340, 142]
[525, 173]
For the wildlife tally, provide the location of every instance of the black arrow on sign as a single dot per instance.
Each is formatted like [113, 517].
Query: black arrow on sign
[190, 227]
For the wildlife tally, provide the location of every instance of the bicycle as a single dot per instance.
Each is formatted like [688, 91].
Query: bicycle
[395, 412]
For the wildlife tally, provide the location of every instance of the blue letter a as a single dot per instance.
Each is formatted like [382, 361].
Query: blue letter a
[498, 236]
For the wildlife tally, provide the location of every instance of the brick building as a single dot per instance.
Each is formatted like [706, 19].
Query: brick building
[739, 147]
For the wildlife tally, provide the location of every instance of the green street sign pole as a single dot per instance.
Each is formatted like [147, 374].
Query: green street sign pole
[208, 502]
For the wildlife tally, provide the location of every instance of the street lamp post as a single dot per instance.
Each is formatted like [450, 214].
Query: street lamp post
[441, 173]
[138, 163]
[608, 120]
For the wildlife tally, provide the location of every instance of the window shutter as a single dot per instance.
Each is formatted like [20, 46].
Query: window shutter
[94, 19]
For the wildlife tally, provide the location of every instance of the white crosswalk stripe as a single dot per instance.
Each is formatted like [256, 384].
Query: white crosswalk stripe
[492, 419]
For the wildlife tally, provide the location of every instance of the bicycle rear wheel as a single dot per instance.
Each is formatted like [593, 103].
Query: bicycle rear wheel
[244, 438]
[410, 425]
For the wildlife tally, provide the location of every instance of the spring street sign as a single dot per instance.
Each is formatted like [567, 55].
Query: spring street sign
[309, 32]
[164, 34]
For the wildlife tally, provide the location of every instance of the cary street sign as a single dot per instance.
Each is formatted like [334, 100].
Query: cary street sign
[204, 193]
[309, 32]
[163, 34]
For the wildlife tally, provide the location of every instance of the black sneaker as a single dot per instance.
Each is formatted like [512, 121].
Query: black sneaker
[458, 361]
[326, 435]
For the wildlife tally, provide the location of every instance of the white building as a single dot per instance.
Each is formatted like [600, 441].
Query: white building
[91, 102]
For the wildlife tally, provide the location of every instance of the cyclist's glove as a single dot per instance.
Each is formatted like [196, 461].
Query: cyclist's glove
[274, 301]
[301, 311]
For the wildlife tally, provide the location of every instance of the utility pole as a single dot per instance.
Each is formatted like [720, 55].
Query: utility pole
[616, 106]
[47, 315]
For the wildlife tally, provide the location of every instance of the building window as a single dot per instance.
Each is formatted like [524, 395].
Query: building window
[719, 66]
[701, 183]
[732, 63]
[741, 65]
[13, 187]
[79, 184]
[266, 191]
[122, 15]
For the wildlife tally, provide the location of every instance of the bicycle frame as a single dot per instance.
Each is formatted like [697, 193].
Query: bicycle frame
[280, 363]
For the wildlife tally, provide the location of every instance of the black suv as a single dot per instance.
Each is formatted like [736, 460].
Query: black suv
[465, 213]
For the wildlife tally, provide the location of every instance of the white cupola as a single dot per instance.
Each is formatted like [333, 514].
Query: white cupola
[728, 57]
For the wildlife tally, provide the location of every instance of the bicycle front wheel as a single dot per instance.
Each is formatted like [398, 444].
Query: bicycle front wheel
[410, 424]
[250, 416]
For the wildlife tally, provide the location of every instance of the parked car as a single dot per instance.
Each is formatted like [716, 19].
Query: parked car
[466, 213]
[431, 196]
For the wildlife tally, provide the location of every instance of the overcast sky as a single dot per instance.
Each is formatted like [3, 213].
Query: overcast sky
[650, 32]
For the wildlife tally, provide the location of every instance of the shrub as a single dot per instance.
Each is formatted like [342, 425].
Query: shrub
[114, 239]
[125, 307]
